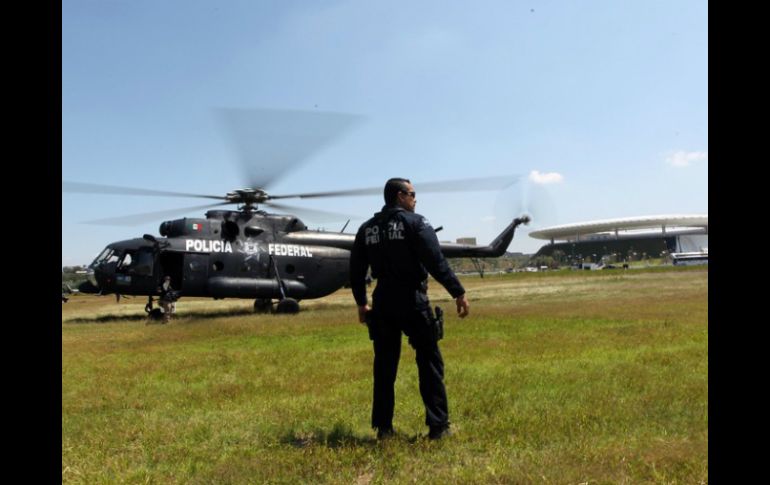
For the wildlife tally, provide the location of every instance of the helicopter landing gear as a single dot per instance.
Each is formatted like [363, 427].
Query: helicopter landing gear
[263, 305]
[153, 314]
[287, 305]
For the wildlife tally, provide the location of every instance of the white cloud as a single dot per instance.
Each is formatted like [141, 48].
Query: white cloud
[545, 178]
[685, 159]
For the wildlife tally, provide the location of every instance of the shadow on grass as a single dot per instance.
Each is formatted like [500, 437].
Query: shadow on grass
[339, 436]
[112, 317]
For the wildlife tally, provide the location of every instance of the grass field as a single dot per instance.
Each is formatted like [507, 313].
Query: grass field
[563, 377]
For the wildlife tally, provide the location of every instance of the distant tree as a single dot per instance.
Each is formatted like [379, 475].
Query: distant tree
[71, 277]
[72, 269]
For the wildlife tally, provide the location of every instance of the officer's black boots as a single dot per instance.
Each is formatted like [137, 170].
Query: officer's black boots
[438, 432]
[385, 433]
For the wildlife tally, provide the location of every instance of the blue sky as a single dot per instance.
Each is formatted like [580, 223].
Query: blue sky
[602, 106]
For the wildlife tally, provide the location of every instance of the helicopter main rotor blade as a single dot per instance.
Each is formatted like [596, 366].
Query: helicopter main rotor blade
[314, 215]
[336, 193]
[114, 189]
[270, 143]
[459, 185]
[469, 185]
[136, 219]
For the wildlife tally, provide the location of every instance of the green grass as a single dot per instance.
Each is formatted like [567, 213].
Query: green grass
[568, 377]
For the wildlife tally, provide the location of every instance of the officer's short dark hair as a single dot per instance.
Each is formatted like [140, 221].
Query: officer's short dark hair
[392, 188]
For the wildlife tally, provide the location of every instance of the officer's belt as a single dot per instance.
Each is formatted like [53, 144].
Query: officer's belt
[387, 284]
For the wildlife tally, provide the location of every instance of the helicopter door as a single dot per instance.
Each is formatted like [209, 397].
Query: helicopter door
[195, 274]
[171, 265]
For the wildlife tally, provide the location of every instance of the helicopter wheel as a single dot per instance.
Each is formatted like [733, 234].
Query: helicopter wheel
[263, 305]
[287, 305]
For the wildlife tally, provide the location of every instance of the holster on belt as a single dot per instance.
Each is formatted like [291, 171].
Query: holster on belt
[438, 324]
[371, 325]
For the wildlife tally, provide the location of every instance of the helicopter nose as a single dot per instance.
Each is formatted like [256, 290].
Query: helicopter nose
[90, 285]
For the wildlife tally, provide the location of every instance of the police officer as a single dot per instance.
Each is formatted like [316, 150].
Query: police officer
[166, 299]
[402, 248]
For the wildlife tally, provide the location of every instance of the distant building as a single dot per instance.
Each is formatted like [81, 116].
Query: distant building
[690, 259]
[631, 238]
[466, 240]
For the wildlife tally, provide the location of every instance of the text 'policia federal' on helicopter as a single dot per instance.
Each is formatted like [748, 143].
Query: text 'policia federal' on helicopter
[250, 253]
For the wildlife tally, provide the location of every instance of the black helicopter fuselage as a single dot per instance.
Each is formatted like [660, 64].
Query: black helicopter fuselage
[232, 254]
[226, 255]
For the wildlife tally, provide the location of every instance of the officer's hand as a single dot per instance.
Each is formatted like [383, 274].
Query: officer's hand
[462, 306]
[362, 309]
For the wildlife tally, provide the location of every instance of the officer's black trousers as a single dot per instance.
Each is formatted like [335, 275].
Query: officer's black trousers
[430, 366]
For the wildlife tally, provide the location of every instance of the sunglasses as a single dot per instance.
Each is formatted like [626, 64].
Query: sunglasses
[413, 194]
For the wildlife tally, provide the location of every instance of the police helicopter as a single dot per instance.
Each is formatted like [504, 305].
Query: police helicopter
[248, 252]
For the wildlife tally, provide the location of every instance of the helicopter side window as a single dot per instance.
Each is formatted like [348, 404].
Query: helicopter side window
[143, 263]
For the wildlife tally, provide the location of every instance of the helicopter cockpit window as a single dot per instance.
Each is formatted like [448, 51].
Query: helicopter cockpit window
[103, 256]
[125, 262]
[108, 256]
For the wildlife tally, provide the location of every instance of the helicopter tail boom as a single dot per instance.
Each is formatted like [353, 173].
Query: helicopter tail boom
[451, 250]
[495, 249]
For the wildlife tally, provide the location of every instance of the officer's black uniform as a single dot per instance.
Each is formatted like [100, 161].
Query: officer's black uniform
[165, 293]
[402, 248]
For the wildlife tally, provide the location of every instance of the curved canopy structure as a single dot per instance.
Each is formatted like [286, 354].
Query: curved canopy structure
[697, 223]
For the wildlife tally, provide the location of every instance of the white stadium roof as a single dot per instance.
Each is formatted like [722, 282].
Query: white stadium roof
[573, 232]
